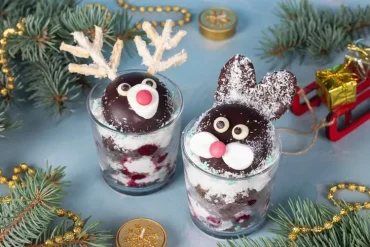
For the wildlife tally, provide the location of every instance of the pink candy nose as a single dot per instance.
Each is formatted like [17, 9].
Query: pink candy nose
[217, 149]
[144, 97]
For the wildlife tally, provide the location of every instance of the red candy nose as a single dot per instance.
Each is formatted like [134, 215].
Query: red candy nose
[217, 149]
[144, 97]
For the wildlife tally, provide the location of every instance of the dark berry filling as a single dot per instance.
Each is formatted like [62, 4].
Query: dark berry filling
[162, 158]
[147, 150]
[242, 217]
[251, 202]
[214, 220]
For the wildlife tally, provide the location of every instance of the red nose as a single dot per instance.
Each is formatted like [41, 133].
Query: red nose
[217, 149]
[144, 97]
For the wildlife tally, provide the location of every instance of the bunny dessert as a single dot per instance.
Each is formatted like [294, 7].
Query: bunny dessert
[232, 151]
[135, 115]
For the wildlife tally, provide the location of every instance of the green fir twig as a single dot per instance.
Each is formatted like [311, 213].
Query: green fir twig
[307, 32]
[353, 230]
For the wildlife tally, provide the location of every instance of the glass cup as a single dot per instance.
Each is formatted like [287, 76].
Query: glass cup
[227, 207]
[136, 163]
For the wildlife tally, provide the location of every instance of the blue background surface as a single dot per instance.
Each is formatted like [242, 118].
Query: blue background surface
[69, 142]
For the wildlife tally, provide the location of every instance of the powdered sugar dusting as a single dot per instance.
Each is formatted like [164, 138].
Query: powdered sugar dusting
[237, 84]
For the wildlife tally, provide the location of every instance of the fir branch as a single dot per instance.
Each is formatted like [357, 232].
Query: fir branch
[308, 32]
[29, 212]
[354, 229]
[51, 84]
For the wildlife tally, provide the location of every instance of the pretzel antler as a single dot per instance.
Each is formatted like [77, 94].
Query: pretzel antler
[161, 43]
[85, 49]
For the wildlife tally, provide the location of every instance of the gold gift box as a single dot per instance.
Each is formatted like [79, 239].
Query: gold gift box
[336, 86]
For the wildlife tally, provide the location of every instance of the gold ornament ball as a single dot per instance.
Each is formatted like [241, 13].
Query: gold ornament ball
[330, 196]
[176, 8]
[138, 26]
[317, 229]
[133, 9]
[20, 33]
[17, 170]
[23, 166]
[342, 186]
[61, 212]
[352, 187]
[367, 205]
[2, 51]
[343, 211]
[59, 239]
[5, 70]
[11, 184]
[2, 61]
[305, 229]
[80, 223]
[350, 208]
[75, 218]
[328, 225]
[292, 237]
[10, 79]
[296, 230]
[333, 189]
[16, 178]
[150, 9]
[336, 218]
[49, 243]
[184, 11]
[3, 41]
[3, 180]
[20, 25]
[180, 22]
[358, 205]
[77, 230]
[361, 188]
[167, 9]
[31, 172]
[158, 9]
[142, 9]
[69, 214]
[8, 199]
[68, 236]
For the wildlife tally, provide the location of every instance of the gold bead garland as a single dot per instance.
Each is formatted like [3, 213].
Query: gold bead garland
[9, 32]
[78, 224]
[186, 15]
[350, 207]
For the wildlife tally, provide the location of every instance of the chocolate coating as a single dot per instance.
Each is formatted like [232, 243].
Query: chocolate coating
[259, 137]
[117, 110]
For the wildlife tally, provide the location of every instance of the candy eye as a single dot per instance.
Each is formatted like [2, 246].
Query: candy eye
[149, 82]
[221, 124]
[123, 88]
[240, 132]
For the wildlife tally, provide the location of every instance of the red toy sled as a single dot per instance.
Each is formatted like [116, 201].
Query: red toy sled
[333, 132]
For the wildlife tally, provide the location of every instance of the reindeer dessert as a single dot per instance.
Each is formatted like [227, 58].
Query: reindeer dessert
[231, 152]
[136, 115]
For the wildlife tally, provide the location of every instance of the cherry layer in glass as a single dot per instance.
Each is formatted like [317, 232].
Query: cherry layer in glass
[136, 121]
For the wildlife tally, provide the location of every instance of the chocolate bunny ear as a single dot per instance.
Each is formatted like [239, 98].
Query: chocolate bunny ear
[272, 97]
[236, 77]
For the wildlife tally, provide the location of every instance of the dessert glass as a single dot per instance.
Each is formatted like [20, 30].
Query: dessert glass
[227, 207]
[136, 163]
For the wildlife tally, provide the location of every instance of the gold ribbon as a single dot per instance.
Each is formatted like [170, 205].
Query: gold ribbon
[339, 73]
[364, 53]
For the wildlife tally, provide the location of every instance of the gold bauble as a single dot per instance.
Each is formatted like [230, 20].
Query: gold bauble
[367, 205]
[5, 70]
[3, 41]
[317, 229]
[343, 211]
[77, 230]
[61, 212]
[330, 196]
[16, 177]
[142, 9]
[7, 199]
[68, 236]
[358, 205]
[23, 166]
[328, 225]
[342, 186]
[167, 8]
[150, 9]
[159, 9]
[176, 8]
[296, 230]
[184, 11]
[20, 26]
[336, 218]
[31, 172]
[69, 214]
[75, 218]
[80, 223]
[59, 239]
[17, 170]
[352, 187]
[361, 188]
[10, 79]
[333, 189]
[11, 184]
[2, 51]
[292, 237]
[49, 243]
[180, 22]
[305, 229]
[3, 180]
